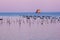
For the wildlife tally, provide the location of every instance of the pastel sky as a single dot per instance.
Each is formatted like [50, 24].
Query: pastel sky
[29, 5]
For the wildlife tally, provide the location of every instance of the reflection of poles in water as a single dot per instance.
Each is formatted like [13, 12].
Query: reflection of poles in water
[47, 19]
[59, 19]
[34, 19]
[8, 21]
[1, 20]
[38, 19]
[56, 19]
[42, 20]
[28, 20]
[19, 22]
[53, 20]
[23, 19]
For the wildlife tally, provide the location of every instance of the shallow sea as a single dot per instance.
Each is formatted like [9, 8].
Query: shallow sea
[14, 27]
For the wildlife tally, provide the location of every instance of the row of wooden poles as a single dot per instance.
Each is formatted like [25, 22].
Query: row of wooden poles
[28, 19]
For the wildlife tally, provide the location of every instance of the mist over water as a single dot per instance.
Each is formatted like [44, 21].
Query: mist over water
[29, 27]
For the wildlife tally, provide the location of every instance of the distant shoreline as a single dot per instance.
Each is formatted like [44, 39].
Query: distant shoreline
[29, 14]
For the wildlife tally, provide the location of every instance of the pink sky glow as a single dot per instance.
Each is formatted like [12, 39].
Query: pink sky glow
[29, 5]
